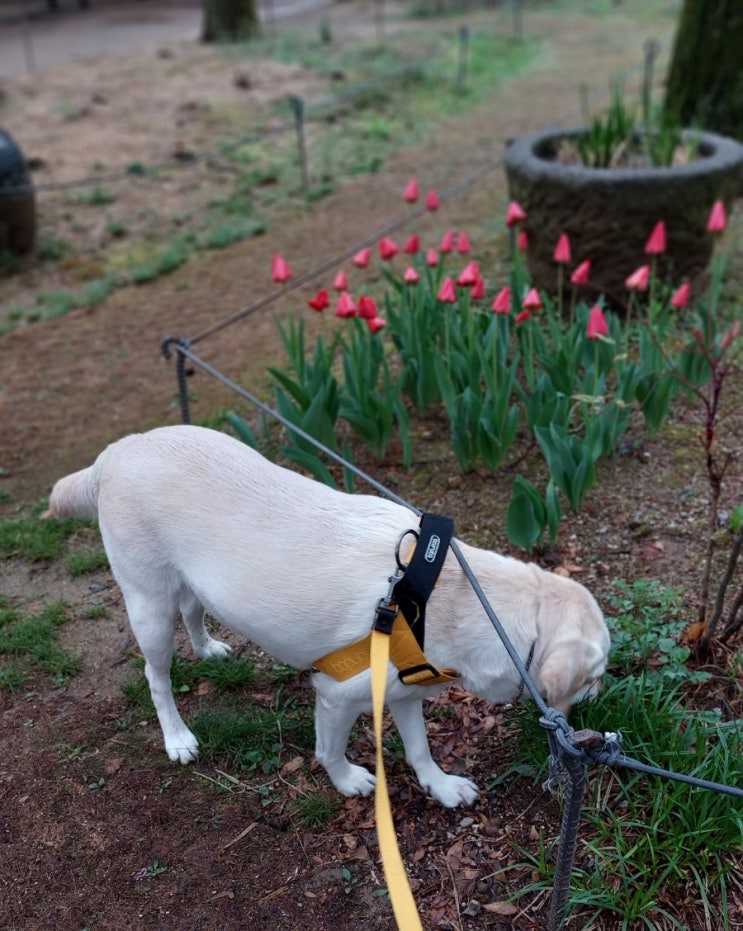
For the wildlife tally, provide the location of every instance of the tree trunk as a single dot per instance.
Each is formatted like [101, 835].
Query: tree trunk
[230, 21]
[705, 78]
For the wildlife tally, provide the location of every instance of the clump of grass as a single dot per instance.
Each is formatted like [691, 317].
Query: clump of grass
[34, 539]
[81, 562]
[163, 262]
[28, 643]
[315, 810]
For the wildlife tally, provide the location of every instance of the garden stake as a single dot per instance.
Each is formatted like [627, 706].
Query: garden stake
[464, 38]
[518, 31]
[297, 105]
[180, 373]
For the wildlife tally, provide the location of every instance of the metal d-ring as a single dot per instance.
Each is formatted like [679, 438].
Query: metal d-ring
[401, 565]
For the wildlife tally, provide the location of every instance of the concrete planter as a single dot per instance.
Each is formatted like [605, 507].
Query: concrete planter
[609, 213]
[17, 199]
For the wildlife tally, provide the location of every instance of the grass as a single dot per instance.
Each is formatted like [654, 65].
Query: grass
[235, 730]
[651, 842]
[28, 641]
[28, 644]
[35, 540]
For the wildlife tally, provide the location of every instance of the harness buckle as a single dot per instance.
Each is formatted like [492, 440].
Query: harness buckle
[384, 616]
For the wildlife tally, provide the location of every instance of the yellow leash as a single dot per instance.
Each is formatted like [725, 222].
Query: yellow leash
[401, 896]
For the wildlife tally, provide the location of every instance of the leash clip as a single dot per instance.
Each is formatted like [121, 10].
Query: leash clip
[384, 616]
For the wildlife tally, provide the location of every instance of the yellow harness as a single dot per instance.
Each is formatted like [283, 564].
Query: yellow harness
[412, 665]
[405, 650]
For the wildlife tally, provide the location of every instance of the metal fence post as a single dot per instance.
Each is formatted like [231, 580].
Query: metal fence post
[575, 789]
[297, 105]
[464, 39]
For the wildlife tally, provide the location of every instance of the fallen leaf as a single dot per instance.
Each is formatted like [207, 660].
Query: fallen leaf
[694, 631]
[501, 908]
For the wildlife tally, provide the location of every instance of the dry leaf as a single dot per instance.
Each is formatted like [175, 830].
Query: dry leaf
[114, 765]
[501, 908]
[694, 631]
[292, 766]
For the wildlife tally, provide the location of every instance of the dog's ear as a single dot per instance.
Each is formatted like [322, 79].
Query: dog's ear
[564, 670]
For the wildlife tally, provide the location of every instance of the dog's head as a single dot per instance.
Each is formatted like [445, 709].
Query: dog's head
[574, 650]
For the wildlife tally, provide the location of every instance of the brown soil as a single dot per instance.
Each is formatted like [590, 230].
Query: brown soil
[89, 806]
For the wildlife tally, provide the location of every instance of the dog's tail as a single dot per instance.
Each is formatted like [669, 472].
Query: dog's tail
[76, 495]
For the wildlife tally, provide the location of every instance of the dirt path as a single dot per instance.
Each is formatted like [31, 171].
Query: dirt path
[69, 386]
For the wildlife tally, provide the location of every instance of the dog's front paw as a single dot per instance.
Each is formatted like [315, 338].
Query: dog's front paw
[182, 748]
[451, 791]
[355, 780]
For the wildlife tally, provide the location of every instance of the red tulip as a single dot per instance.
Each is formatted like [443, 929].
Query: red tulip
[447, 292]
[280, 270]
[656, 244]
[532, 301]
[469, 275]
[411, 193]
[376, 324]
[597, 325]
[581, 273]
[388, 248]
[432, 258]
[515, 214]
[362, 258]
[411, 276]
[412, 245]
[680, 297]
[478, 290]
[718, 221]
[522, 241]
[463, 243]
[639, 279]
[524, 315]
[345, 306]
[341, 281]
[502, 302]
[367, 307]
[432, 201]
[447, 242]
[561, 254]
[320, 301]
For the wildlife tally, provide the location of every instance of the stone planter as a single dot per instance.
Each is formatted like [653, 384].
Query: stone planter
[17, 206]
[609, 213]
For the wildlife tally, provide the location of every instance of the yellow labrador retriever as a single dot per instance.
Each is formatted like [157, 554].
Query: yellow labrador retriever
[194, 521]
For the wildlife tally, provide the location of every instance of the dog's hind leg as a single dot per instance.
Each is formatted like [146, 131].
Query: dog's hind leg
[447, 789]
[205, 646]
[152, 619]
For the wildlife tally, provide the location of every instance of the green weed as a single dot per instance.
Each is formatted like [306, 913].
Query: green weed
[28, 644]
[315, 810]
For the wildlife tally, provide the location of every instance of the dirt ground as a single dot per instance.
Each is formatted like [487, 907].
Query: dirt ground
[97, 829]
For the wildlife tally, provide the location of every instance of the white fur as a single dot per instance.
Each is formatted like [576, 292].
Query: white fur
[193, 520]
